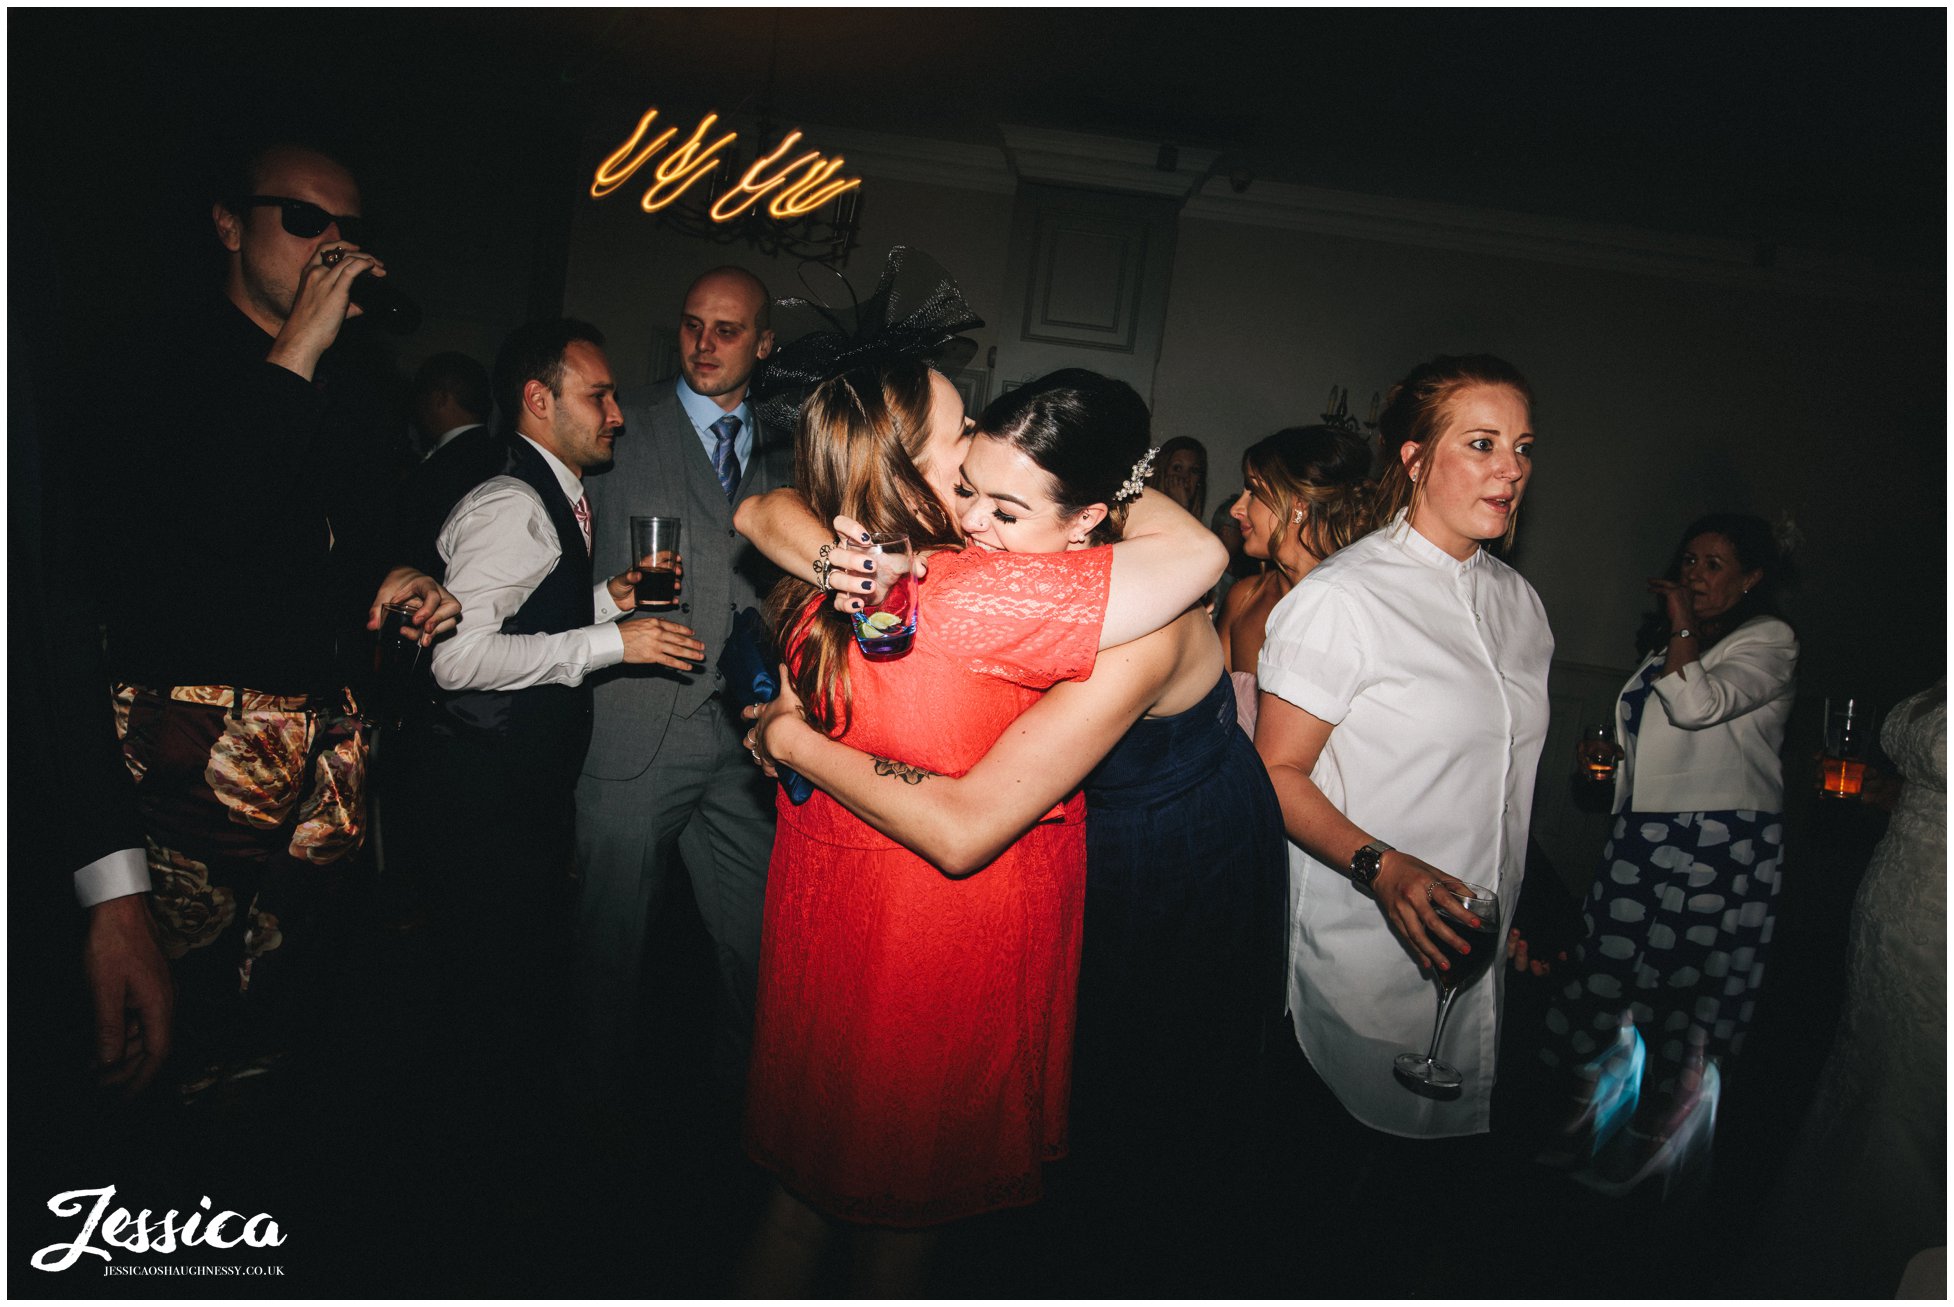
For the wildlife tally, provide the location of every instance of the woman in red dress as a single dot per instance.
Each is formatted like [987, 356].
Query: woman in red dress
[912, 1048]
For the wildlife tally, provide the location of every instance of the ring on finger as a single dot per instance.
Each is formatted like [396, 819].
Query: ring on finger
[332, 256]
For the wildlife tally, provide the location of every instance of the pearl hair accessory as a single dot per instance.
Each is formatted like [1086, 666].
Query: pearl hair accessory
[1134, 484]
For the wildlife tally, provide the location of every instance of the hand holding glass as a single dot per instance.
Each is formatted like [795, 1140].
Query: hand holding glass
[1596, 754]
[395, 655]
[654, 544]
[1465, 968]
[885, 630]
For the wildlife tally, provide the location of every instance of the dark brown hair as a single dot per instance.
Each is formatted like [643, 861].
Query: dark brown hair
[1756, 548]
[1087, 431]
[1166, 455]
[1324, 472]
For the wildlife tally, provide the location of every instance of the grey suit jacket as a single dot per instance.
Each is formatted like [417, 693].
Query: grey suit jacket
[661, 470]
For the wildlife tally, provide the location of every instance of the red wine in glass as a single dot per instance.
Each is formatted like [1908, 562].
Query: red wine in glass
[1425, 1070]
[1466, 967]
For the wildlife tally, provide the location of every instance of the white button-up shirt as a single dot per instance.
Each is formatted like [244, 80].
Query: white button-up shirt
[499, 543]
[1433, 673]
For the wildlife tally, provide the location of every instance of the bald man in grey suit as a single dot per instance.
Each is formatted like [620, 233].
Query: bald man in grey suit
[666, 781]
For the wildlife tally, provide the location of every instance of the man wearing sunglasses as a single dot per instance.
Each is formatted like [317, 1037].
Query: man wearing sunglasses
[246, 533]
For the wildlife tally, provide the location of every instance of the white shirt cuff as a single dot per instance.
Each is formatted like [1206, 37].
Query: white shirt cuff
[606, 609]
[606, 645]
[124, 872]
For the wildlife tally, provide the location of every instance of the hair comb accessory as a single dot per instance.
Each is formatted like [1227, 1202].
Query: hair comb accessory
[1133, 485]
[917, 311]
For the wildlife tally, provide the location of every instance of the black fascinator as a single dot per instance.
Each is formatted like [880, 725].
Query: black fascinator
[916, 312]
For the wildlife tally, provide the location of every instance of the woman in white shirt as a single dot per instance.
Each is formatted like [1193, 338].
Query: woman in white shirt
[1681, 909]
[1404, 703]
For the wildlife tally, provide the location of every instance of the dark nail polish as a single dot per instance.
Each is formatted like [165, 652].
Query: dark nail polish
[868, 585]
[868, 565]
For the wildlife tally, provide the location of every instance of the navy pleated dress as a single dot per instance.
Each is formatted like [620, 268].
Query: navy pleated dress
[1182, 974]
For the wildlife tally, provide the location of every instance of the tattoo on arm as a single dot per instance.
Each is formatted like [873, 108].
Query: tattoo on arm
[902, 771]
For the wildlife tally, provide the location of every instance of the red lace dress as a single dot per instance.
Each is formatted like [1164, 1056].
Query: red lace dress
[912, 1048]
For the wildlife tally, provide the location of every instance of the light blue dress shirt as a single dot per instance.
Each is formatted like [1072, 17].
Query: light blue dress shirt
[704, 412]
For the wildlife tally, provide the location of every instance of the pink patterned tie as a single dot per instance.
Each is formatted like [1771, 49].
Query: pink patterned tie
[582, 510]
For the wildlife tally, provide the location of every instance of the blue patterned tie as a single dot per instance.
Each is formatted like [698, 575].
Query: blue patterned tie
[724, 460]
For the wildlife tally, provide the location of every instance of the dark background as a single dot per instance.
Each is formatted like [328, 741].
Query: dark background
[1823, 130]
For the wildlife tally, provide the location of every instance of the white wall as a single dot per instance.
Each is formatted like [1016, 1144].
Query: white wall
[1657, 399]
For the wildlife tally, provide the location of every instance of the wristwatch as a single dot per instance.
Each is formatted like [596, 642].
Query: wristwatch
[1365, 862]
[1681, 633]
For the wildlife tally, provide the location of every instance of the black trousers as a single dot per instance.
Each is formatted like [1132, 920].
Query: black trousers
[486, 833]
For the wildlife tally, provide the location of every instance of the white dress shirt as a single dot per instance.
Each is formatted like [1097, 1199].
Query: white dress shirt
[499, 544]
[126, 871]
[448, 435]
[1433, 673]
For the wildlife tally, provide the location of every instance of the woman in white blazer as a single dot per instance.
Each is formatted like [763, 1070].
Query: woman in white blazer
[1680, 914]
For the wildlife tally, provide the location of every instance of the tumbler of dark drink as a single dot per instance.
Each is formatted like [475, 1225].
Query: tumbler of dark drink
[395, 656]
[654, 544]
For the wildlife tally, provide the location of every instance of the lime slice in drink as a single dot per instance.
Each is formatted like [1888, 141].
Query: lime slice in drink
[881, 622]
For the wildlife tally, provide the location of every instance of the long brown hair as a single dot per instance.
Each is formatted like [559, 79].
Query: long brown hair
[1418, 408]
[854, 453]
[1321, 473]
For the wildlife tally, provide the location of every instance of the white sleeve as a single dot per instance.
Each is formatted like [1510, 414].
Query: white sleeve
[499, 544]
[1753, 666]
[114, 876]
[1314, 653]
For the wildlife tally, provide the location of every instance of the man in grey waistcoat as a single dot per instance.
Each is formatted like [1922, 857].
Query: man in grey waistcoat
[666, 782]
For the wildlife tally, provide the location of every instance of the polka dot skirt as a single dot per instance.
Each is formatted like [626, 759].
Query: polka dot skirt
[1678, 923]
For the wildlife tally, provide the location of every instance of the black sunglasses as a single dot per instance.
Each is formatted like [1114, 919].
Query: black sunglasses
[304, 219]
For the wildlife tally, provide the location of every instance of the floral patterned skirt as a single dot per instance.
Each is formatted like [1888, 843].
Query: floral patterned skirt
[246, 802]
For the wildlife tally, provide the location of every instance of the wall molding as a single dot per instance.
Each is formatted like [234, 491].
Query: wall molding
[954, 164]
[1432, 225]
[1103, 163]
[1130, 166]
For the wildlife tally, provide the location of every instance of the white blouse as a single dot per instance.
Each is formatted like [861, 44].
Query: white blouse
[1434, 674]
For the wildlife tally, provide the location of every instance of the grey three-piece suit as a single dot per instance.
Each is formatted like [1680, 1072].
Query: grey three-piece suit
[666, 779]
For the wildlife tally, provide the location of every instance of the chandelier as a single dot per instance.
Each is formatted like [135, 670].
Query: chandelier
[1336, 411]
[817, 223]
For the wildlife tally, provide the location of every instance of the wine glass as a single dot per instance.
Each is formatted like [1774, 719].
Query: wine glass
[1478, 901]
